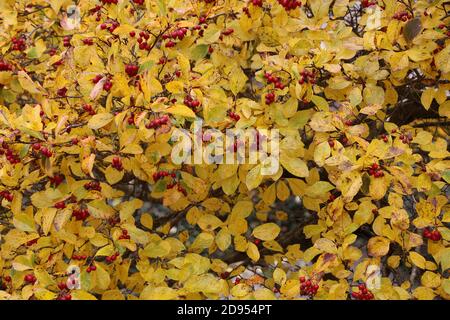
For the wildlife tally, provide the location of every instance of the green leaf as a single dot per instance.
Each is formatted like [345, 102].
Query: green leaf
[146, 66]
[199, 52]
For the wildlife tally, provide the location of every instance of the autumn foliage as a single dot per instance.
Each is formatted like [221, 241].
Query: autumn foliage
[93, 207]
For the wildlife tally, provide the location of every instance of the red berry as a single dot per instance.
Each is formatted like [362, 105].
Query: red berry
[36, 146]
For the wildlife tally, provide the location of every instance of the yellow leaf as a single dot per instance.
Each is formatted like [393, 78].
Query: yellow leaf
[102, 277]
[223, 239]
[279, 276]
[296, 166]
[28, 84]
[204, 240]
[267, 231]
[253, 252]
[254, 177]
[417, 259]
[82, 295]
[181, 110]
[112, 175]
[378, 246]
[175, 87]
[427, 97]
[158, 293]
[209, 222]
[100, 120]
[325, 245]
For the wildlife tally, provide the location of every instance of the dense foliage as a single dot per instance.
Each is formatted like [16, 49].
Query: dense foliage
[93, 207]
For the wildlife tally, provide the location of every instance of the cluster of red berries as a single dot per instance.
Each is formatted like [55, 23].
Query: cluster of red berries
[112, 26]
[191, 102]
[348, 122]
[62, 286]
[161, 174]
[93, 185]
[402, 15]
[80, 214]
[88, 108]
[52, 51]
[30, 278]
[199, 29]
[237, 280]
[290, 4]
[113, 221]
[79, 257]
[155, 123]
[58, 63]
[66, 41]
[179, 34]
[375, 170]
[307, 77]
[112, 258]
[60, 205]
[142, 40]
[442, 27]
[12, 157]
[5, 66]
[384, 137]
[247, 12]
[107, 85]
[225, 275]
[7, 195]
[234, 116]
[139, 2]
[95, 9]
[56, 180]
[88, 41]
[124, 235]
[31, 242]
[406, 138]
[257, 3]
[117, 163]
[363, 293]
[62, 92]
[439, 48]
[131, 70]
[97, 78]
[331, 143]
[332, 197]
[434, 235]
[270, 98]
[72, 199]
[18, 43]
[3, 284]
[64, 296]
[275, 80]
[182, 190]
[162, 60]
[91, 268]
[367, 3]
[130, 119]
[44, 151]
[257, 242]
[227, 31]
[307, 287]
[109, 1]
